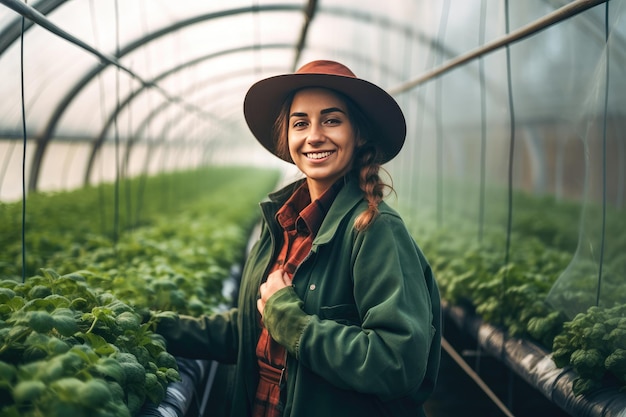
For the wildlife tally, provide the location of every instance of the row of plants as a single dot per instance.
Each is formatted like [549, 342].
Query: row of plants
[76, 338]
[547, 289]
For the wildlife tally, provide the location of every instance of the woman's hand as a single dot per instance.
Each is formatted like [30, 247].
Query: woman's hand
[275, 281]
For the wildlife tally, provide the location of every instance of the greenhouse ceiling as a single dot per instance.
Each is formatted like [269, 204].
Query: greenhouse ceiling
[90, 73]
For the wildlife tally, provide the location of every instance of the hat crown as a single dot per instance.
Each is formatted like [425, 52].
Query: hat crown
[326, 67]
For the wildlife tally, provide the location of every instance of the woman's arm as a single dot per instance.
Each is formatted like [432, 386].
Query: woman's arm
[212, 337]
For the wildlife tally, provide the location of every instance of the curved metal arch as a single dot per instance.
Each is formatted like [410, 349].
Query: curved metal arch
[43, 140]
[155, 112]
[126, 102]
[144, 124]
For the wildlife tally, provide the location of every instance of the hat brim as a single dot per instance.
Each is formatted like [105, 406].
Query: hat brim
[264, 99]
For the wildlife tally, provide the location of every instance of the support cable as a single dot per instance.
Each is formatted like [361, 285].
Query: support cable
[24, 136]
[141, 186]
[116, 195]
[309, 14]
[483, 143]
[445, 10]
[483, 120]
[509, 224]
[512, 141]
[604, 128]
[102, 93]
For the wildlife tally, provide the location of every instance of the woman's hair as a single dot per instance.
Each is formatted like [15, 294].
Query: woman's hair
[366, 159]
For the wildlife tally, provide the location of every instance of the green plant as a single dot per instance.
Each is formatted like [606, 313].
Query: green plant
[67, 348]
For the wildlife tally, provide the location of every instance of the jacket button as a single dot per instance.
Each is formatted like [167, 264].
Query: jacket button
[312, 287]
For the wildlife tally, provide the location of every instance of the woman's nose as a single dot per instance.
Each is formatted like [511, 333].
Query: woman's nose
[316, 134]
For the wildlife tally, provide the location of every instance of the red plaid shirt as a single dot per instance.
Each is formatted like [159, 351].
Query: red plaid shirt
[300, 220]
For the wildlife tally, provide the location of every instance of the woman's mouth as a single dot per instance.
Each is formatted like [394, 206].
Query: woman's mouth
[318, 155]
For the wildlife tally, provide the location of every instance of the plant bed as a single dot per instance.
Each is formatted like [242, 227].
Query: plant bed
[76, 337]
[534, 364]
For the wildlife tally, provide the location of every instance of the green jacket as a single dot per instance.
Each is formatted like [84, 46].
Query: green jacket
[361, 322]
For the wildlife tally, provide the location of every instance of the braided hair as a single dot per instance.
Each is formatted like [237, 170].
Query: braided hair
[366, 160]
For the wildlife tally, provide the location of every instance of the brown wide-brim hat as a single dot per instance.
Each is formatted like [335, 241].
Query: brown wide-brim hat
[265, 98]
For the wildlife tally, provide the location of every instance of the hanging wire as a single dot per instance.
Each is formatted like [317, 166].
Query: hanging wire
[505, 276]
[604, 128]
[24, 152]
[126, 178]
[145, 169]
[483, 145]
[512, 139]
[404, 162]
[102, 93]
[116, 204]
[438, 121]
[483, 121]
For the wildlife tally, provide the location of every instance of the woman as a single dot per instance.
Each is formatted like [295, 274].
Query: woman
[338, 312]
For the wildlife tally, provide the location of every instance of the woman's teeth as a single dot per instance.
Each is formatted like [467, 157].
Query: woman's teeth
[318, 155]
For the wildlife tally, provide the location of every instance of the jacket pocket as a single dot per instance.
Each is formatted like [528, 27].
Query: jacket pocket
[341, 313]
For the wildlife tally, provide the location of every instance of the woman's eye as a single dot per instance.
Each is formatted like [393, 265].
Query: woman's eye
[332, 121]
[299, 123]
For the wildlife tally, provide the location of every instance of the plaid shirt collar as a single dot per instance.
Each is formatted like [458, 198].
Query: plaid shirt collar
[300, 214]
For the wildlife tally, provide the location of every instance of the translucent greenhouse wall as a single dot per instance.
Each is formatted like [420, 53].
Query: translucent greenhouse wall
[525, 143]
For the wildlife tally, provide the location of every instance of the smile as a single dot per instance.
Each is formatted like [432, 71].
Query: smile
[318, 155]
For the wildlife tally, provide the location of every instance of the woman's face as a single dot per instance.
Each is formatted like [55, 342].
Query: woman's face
[321, 137]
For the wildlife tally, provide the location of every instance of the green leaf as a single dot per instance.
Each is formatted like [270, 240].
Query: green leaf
[98, 344]
[40, 321]
[109, 367]
[65, 325]
[28, 391]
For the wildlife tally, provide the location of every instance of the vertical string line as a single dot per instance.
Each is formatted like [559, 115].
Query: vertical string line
[510, 193]
[141, 186]
[483, 121]
[405, 166]
[438, 119]
[102, 205]
[483, 145]
[24, 150]
[127, 183]
[116, 204]
[512, 140]
[604, 129]
[419, 121]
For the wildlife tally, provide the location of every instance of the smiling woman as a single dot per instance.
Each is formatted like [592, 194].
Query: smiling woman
[339, 312]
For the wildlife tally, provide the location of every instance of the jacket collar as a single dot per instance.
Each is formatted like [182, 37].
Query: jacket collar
[348, 198]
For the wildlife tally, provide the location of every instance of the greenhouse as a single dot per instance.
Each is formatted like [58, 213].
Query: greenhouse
[140, 252]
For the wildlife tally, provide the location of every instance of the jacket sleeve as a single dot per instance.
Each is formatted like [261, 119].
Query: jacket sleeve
[388, 355]
[212, 337]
